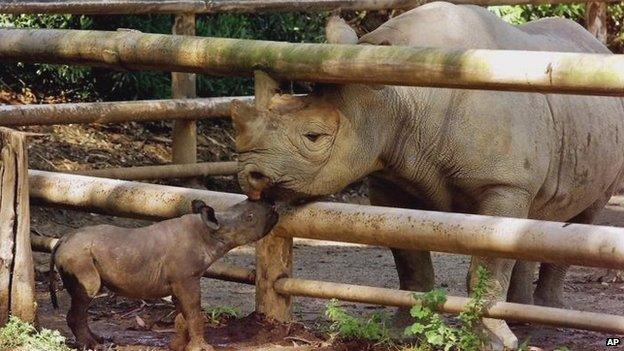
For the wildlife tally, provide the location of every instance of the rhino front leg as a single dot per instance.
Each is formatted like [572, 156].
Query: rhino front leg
[521, 284]
[415, 271]
[504, 202]
[414, 268]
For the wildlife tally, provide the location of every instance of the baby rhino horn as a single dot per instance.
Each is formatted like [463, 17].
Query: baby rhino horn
[242, 114]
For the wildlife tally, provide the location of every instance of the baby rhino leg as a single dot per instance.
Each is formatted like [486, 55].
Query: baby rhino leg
[188, 294]
[82, 281]
[181, 337]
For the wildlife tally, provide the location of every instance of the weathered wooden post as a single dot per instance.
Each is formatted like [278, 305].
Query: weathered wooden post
[17, 276]
[596, 20]
[184, 148]
[273, 253]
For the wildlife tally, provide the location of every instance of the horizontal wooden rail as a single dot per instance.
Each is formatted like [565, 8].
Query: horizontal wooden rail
[532, 71]
[240, 6]
[531, 240]
[217, 270]
[165, 171]
[117, 111]
[501, 310]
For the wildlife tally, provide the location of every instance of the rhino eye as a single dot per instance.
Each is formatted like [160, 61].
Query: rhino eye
[313, 137]
[249, 217]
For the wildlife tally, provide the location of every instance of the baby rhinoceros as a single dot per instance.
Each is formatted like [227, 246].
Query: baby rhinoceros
[166, 258]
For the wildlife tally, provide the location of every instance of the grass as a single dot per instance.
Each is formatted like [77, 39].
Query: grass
[429, 327]
[347, 327]
[17, 334]
[219, 315]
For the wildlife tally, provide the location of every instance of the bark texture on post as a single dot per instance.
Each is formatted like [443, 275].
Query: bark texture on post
[273, 252]
[534, 71]
[183, 85]
[17, 279]
[596, 20]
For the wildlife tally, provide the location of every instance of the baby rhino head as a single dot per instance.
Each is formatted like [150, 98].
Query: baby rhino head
[243, 223]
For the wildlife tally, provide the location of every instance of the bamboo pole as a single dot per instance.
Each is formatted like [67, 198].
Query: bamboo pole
[183, 86]
[17, 280]
[273, 253]
[117, 111]
[525, 239]
[240, 6]
[164, 171]
[217, 270]
[500, 310]
[534, 71]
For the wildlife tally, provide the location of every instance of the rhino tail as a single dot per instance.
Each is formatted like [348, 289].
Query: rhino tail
[52, 276]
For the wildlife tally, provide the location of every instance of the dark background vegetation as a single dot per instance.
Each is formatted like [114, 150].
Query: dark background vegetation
[90, 84]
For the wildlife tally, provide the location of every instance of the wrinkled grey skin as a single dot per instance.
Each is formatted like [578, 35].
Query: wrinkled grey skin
[527, 155]
[166, 258]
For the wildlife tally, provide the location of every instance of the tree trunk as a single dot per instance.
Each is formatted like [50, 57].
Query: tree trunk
[17, 280]
[596, 20]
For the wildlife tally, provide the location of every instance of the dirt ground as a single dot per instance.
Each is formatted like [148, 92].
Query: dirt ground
[147, 324]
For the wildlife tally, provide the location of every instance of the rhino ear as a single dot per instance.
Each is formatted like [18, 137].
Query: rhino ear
[337, 31]
[197, 205]
[242, 113]
[209, 218]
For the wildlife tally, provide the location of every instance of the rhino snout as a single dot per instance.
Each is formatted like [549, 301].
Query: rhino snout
[253, 182]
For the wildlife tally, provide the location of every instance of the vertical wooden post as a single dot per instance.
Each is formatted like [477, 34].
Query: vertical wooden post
[273, 253]
[596, 20]
[184, 148]
[17, 275]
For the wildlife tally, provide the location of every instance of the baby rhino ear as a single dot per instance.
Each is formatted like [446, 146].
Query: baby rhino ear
[197, 205]
[209, 218]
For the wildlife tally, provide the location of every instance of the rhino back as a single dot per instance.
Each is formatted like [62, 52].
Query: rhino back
[566, 150]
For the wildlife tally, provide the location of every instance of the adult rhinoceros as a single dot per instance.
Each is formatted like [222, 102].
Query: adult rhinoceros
[543, 156]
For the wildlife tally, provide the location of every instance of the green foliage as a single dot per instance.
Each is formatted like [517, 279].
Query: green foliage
[562, 348]
[19, 334]
[85, 83]
[347, 327]
[431, 327]
[524, 13]
[217, 315]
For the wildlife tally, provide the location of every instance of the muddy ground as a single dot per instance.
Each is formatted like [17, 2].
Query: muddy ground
[147, 324]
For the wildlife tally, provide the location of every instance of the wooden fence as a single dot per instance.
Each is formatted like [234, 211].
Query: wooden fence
[272, 61]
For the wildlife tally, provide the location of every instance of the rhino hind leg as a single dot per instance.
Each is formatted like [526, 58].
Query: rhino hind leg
[549, 289]
[82, 282]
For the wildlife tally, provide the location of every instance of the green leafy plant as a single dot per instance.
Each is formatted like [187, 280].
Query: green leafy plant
[218, 315]
[17, 334]
[347, 327]
[431, 327]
